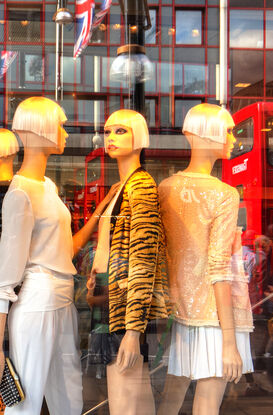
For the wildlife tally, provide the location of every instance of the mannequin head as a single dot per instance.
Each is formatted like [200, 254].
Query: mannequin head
[125, 132]
[209, 127]
[39, 123]
[8, 149]
[8, 143]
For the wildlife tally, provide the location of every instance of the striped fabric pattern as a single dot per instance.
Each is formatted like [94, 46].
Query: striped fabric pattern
[137, 277]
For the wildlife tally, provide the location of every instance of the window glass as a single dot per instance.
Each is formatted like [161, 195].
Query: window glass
[269, 138]
[165, 76]
[213, 26]
[246, 3]
[246, 73]
[269, 74]
[269, 29]
[150, 35]
[190, 2]
[195, 77]
[24, 24]
[246, 29]
[150, 105]
[71, 69]
[167, 29]
[115, 25]
[33, 68]
[181, 109]
[244, 134]
[188, 27]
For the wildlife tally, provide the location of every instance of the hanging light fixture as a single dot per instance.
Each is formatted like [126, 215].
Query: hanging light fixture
[63, 16]
[131, 64]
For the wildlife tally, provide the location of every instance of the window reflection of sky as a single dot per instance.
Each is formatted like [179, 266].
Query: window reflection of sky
[189, 27]
[150, 35]
[246, 28]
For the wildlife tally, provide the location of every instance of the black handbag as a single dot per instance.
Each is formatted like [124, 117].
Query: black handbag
[10, 387]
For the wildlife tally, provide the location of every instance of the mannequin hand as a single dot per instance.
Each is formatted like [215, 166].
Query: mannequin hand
[129, 350]
[91, 282]
[2, 363]
[113, 190]
[232, 363]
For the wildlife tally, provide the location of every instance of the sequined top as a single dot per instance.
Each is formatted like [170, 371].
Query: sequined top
[199, 214]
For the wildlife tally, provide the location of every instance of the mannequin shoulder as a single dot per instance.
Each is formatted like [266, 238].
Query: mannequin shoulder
[141, 179]
[228, 192]
[16, 197]
[141, 186]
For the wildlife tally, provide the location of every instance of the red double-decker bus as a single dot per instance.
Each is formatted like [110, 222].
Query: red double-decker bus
[250, 168]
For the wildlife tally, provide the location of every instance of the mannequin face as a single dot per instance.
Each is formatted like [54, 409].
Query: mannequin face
[62, 135]
[229, 144]
[118, 140]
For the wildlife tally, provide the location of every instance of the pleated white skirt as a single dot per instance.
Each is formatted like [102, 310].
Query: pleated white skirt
[196, 352]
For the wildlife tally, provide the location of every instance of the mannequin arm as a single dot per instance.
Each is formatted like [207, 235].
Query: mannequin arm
[129, 350]
[145, 228]
[3, 318]
[232, 362]
[143, 251]
[82, 237]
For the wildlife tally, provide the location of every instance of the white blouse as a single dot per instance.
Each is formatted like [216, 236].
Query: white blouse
[36, 231]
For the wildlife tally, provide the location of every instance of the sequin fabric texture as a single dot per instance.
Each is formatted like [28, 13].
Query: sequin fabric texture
[199, 214]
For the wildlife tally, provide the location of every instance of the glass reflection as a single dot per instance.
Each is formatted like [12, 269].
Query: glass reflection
[246, 29]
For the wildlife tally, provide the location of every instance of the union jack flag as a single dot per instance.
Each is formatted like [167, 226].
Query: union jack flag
[86, 21]
[7, 57]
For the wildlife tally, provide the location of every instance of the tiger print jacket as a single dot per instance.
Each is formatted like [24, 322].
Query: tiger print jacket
[137, 277]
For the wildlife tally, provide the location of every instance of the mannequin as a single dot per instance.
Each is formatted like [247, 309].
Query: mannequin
[37, 249]
[134, 267]
[210, 334]
[8, 149]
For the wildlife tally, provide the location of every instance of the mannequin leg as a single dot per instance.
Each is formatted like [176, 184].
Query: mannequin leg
[146, 404]
[208, 396]
[63, 390]
[124, 389]
[173, 394]
[31, 344]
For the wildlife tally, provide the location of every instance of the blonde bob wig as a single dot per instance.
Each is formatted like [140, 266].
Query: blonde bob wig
[134, 120]
[8, 143]
[39, 115]
[208, 121]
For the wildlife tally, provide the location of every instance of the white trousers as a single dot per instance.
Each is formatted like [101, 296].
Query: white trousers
[44, 350]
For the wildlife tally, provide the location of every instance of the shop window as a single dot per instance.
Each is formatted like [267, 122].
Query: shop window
[246, 29]
[181, 109]
[188, 27]
[24, 24]
[150, 35]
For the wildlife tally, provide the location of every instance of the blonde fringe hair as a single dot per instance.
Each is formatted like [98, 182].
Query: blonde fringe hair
[39, 115]
[8, 143]
[208, 121]
[134, 120]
